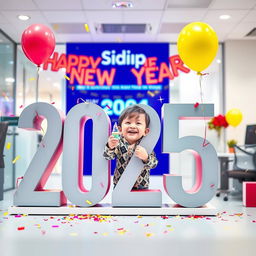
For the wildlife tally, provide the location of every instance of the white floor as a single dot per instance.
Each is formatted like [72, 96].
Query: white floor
[231, 232]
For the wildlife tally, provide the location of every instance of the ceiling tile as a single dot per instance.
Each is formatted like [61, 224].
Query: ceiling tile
[184, 15]
[236, 16]
[104, 16]
[17, 5]
[65, 16]
[59, 4]
[232, 4]
[35, 17]
[250, 17]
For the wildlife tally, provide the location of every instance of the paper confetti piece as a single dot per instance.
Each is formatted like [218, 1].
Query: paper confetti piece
[73, 88]
[53, 103]
[73, 234]
[212, 186]
[21, 106]
[102, 185]
[149, 234]
[105, 234]
[21, 228]
[8, 145]
[196, 105]
[67, 77]
[254, 221]
[15, 159]
[86, 27]
[6, 213]
[43, 232]
[98, 114]
[88, 202]
[151, 93]
[108, 106]
[55, 226]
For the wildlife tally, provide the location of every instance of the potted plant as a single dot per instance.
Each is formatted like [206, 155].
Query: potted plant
[231, 144]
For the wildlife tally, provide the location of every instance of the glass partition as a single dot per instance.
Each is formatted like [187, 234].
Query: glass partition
[7, 103]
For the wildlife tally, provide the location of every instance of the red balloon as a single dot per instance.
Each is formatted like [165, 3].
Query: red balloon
[38, 43]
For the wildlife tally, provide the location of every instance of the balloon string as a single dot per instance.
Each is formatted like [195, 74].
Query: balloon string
[37, 83]
[202, 102]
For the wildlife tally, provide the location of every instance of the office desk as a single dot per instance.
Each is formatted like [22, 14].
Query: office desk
[224, 159]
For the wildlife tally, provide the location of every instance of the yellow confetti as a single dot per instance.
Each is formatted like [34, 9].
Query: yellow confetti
[105, 234]
[32, 79]
[86, 27]
[151, 93]
[168, 226]
[139, 216]
[6, 213]
[121, 232]
[67, 77]
[8, 145]
[15, 159]
[149, 234]
[73, 234]
[170, 229]
[88, 202]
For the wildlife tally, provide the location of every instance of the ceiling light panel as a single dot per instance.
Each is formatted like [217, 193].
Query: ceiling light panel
[188, 4]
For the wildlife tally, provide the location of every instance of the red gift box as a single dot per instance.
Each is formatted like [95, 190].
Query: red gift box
[249, 194]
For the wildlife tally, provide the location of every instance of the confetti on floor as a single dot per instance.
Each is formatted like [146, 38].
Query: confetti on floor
[21, 228]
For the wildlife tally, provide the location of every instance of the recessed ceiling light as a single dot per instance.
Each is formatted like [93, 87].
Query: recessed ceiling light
[225, 17]
[122, 4]
[23, 17]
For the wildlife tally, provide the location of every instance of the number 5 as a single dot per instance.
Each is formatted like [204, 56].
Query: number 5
[207, 169]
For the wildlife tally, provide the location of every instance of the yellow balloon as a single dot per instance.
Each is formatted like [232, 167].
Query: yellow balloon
[197, 45]
[234, 117]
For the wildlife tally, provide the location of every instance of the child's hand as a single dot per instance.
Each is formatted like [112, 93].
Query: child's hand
[141, 153]
[112, 142]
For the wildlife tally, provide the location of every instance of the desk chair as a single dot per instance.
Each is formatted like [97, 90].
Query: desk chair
[244, 167]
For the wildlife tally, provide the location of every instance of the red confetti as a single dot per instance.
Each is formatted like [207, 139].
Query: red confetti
[212, 185]
[21, 228]
[196, 105]
[108, 106]
[17, 181]
[254, 221]
[73, 88]
[53, 102]
[21, 106]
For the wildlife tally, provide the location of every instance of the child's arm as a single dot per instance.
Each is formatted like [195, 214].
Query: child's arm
[149, 160]
[152, 161]
[109, 151]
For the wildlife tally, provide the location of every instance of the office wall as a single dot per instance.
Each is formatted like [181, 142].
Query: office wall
[240, 82]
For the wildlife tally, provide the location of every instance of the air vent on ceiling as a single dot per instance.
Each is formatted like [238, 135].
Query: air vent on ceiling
[69, 28]
[172, 28]
[123, 28]
[188, 4]
[252, 33]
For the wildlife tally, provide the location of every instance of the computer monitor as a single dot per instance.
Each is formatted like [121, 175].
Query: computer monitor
[250, 136]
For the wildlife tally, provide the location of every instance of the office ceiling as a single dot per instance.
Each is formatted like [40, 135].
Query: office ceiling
[157, 20]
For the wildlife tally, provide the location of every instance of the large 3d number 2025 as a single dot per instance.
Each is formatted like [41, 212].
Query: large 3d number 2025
[72, 167]
[31, 192]
[207, 169]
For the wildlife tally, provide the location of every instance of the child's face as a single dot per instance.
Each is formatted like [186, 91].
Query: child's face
[133, 127]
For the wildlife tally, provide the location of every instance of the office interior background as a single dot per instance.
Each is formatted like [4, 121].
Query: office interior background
[230, 83]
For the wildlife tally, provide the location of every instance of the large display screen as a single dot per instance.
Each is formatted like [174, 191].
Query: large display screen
[114, 76]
